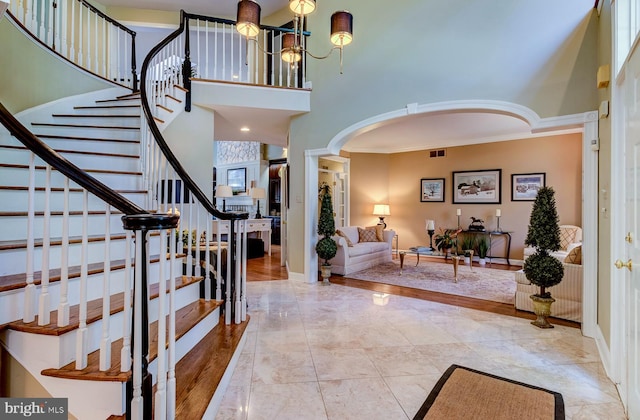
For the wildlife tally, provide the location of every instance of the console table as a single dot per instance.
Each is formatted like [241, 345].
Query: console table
[491, 234]
[221, 227]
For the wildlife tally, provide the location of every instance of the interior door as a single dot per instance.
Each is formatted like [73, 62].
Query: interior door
[632, 246]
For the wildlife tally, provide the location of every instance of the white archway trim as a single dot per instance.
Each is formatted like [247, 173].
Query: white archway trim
[537, 124]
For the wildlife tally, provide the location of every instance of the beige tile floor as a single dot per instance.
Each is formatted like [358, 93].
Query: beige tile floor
[327, 352]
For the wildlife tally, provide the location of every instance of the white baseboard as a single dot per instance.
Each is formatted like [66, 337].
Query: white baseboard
[297, 276]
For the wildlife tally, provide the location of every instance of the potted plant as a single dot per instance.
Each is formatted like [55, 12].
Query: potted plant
[541, 268]
[467, 245]
[483, 248]
[326, 247]
[446, 239]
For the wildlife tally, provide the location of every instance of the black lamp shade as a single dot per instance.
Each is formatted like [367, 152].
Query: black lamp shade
[341, 28]
[290, 52]
[248, 18]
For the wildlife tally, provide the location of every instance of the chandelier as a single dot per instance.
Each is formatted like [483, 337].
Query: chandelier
[248, 24]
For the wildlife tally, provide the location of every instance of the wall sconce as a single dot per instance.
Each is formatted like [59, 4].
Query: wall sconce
[224, 191]
[248, 24]
[381, 210]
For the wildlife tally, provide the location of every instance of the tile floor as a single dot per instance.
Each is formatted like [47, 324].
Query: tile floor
[327, 352]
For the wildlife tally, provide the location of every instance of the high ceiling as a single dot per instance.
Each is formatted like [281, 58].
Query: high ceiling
[418, 132]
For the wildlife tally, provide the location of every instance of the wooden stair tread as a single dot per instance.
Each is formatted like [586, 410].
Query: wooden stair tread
[106, 106]
[186, 318]
[199, 372]
[18, 281]
[94, 311]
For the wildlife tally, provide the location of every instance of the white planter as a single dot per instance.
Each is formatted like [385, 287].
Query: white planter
[482, 261]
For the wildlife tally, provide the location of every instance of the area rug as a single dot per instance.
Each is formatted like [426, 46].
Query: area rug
[464, 393]
[479, 282]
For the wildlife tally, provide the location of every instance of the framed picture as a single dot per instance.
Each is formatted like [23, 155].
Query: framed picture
[431, 189]
[477, 187]
[237, 180]
[524, 187]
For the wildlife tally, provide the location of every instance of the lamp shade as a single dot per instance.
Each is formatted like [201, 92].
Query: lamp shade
[257, 193]
[381, 210]
[248, 18]
[223, 191]
[302, 7]
[290, 52]
[341, 28]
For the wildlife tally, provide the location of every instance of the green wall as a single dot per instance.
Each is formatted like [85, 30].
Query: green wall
[42, 77]
[428, 51]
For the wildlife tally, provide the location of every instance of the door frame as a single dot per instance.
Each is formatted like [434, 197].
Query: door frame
[586, 122]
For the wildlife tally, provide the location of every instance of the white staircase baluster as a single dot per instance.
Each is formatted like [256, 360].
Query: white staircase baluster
[207, 262]
[206, 50]
[241, 236]
[243, 280]
[227, 303]
[105, 32]
[30, 290]
[30, 17]
[189, 233]
[96, 66]
[81, 334]
[63, 307]
[80, 37]
[198, 269]
[161, 378]
[215, 51]
[72, 50]
[217, 228]
[171, 371]
[198, 56]
[88, 55]
[44, 309]
[105, 342]
[137, 403]
[125, 353]
[64, 47]
[224, 51]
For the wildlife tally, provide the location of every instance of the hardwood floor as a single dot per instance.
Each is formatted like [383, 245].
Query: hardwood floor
[268, 268]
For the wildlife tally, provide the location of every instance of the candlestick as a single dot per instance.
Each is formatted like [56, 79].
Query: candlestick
[498, 213]
[498, 218]
[458, 212]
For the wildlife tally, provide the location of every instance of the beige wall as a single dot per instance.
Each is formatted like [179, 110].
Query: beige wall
[374, 177]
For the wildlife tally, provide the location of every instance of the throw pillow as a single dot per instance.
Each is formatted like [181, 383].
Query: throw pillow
[367, 235]
[575, 256]
[567, 236]
[341, 233]
[378, 229]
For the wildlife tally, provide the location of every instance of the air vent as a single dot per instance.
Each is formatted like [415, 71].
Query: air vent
[437, 153]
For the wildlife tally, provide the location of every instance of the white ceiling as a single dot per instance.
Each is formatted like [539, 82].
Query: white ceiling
[417, 132]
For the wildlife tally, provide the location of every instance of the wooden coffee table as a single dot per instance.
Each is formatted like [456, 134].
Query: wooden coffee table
[417, 251]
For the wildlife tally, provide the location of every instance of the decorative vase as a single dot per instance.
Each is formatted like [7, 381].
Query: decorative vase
[325, 272]
[542, 309]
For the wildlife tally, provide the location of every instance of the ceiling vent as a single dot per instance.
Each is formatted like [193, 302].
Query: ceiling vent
[437, 153]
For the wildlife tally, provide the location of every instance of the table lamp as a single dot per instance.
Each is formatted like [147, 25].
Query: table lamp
[224, 191]
[381, 210]
[257, 193]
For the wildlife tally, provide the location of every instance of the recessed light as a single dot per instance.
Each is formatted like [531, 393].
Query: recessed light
[245, 129]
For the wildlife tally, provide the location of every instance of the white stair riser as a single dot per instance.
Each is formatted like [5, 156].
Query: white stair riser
[129, 163]
[16, 200]
[116, 108]
[100, 146]
[12, 302]
[84, 131]
[14, 261]
[118, 181]
[113, 120]
[96, 226]
[67, 342]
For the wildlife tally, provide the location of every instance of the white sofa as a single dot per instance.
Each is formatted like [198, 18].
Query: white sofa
[360, 255]
[568, 293]
[570, 237]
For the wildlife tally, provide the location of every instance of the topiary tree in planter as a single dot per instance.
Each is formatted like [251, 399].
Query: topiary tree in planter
[541, 268]
[326, 248]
